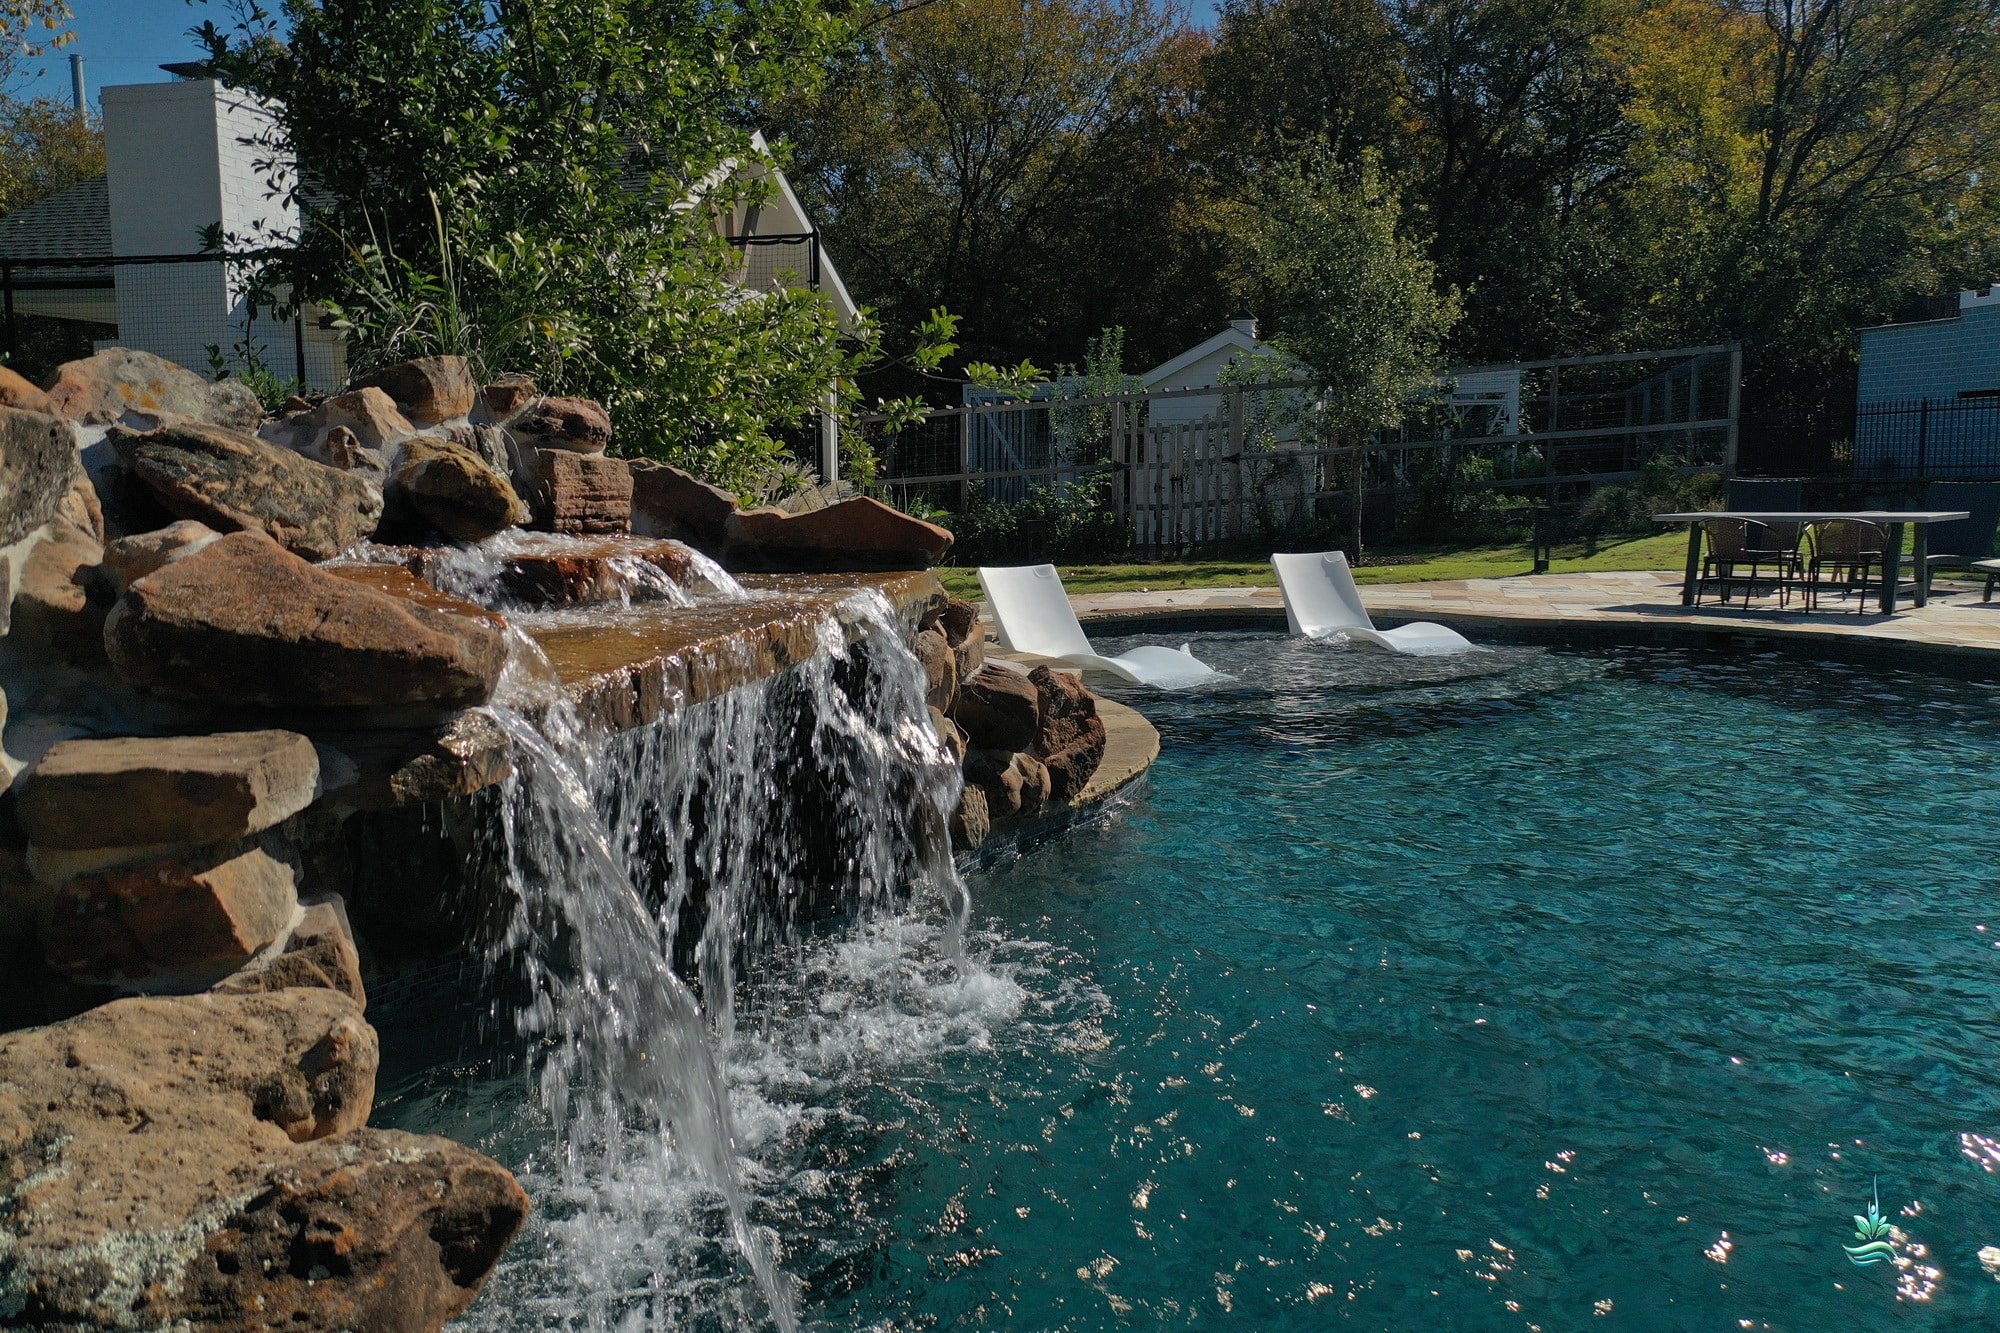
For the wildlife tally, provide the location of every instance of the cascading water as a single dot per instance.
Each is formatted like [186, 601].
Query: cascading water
[479, 572]
[685, 849]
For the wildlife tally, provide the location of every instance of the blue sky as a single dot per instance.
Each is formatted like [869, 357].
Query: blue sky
[121, 41]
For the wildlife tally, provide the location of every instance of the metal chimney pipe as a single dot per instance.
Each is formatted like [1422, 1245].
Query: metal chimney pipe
[76, 84]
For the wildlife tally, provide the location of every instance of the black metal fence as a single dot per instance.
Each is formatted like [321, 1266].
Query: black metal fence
[200, 310]
[1918, 440]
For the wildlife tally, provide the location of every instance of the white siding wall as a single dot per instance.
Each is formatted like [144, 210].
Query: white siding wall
[180, 157]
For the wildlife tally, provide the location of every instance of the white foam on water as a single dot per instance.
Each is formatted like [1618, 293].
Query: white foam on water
[701, 838]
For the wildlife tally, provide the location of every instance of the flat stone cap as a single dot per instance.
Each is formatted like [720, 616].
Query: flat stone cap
[167, 789]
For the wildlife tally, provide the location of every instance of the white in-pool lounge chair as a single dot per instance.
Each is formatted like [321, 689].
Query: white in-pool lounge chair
[1033, 615]
[1321, 601]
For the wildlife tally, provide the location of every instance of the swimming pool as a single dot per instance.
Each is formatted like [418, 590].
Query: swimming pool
[1511, 992]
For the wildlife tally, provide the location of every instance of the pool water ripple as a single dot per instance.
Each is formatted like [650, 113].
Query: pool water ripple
[1546, 991]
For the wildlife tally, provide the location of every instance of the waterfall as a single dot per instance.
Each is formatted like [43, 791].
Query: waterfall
[644, 871]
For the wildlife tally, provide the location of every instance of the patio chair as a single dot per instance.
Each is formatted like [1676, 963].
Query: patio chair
[1847, 554]
[1032, 614]
[1321, 600]
[1735, 544]
[1968, 542]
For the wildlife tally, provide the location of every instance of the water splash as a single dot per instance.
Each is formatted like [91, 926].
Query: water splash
[684, 850]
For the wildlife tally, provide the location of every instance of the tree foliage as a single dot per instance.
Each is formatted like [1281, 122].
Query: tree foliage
[547, 187]
[1025, 162]
[1356, 301]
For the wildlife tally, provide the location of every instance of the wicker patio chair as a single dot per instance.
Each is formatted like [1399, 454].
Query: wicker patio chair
[1733, 544]
[1846, 555]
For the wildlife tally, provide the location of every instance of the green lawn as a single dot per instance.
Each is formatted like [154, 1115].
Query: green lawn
[1663, 550]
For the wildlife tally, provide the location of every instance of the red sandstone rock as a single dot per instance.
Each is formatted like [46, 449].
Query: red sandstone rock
[199, 1162]
[940, 669]
[455, 490]
[1014, 783]
[101, 389]
[320, 951]
[242, 621]
[134, 790]
[507, 395]
[388, 1232]
[208, 910]
[667, 502]
[859, 533]
[18, 392]
[1070, 739]
[233, 481]
[53, 612]
[576, 424]
[427, 390]
[971, 824]
[132, 558]
[999, 709]
[582, 494]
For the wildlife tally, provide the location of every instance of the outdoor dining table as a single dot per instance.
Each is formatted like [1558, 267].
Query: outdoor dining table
[1892, 519]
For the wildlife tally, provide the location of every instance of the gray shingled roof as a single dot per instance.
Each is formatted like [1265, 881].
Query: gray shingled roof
[74, 224]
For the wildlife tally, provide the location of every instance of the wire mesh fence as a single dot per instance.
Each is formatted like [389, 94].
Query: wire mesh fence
[202, 311]
[1197, 467]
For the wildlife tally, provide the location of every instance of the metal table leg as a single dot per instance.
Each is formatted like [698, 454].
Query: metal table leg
[1892, 568]
[1693, 565]
[1922, 555]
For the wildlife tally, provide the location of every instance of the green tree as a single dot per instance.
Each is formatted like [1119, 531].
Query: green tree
[547, 186]
[1356, 300]
[1805, 166]
[45, 147]
[1024, 162]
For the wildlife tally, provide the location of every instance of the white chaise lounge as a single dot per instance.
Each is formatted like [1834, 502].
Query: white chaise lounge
[1321, 601]
[1033, 615]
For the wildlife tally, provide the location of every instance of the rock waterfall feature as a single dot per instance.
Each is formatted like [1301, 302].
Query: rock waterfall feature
[304, 720]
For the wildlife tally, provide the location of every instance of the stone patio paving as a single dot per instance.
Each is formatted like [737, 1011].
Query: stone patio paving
[1955, 622]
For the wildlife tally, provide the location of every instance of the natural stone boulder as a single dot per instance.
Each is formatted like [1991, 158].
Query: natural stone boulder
[999, 709]
[959, 623]
[582, 494]
[455, 491]
[132, 558]
[320, 952]
[369, 417]
[1070, 739]
[856, 534]
[99, 391]
[53, 611]
[232, 481]
[667, 502]
[948, 732]
[575, 424]
[971, 824]
[18, 392]
[199, 1162]
[244, 621]
[1014, 783]
[427, 390]
[343, 449]
[940, 669]
[79, 508]
[143, 789]
[506, 396]
[382, 1231]
[192, 917]
[37, 468]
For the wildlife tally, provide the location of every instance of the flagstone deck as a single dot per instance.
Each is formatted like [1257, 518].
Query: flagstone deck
[1632, 608]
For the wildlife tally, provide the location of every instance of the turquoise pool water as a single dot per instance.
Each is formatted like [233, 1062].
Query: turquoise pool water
[1538, 992]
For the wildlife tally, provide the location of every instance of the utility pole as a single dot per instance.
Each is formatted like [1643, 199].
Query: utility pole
[76, 84]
